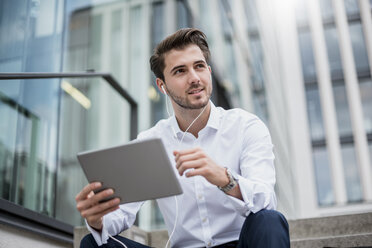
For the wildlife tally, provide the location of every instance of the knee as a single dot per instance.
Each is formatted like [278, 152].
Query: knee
[267, 220]
[88, 242]
[266, 228]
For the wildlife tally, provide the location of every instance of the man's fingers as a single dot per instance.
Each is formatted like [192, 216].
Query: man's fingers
[83, 194]
[188, 157]
[95, 218]
[91, 193]
[196, 172]
[186, 151]
[101, 208]
[189, 165]
[93, 200]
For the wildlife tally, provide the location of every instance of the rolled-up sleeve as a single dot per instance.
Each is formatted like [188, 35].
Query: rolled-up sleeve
[257, 171]
[116, 222]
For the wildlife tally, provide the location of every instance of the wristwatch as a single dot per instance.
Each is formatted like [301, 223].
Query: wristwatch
[232, 181]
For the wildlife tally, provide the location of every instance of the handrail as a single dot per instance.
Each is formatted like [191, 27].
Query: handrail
[106, 76]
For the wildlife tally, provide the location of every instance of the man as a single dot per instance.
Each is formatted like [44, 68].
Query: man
[225, 163]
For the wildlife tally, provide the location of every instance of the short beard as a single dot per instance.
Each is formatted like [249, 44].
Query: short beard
[183, 103]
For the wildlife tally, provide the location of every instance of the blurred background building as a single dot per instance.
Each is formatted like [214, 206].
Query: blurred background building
[302, 66]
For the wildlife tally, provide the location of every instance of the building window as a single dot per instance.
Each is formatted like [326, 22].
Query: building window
[351, 173]
[157, 34]
[323, 176]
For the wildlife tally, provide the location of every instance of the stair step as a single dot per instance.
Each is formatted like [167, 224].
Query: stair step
[347, 241]
[331, 226]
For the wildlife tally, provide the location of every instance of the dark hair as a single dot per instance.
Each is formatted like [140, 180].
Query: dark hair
[178, 40]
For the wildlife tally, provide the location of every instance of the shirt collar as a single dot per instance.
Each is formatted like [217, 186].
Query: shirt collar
[213, 121]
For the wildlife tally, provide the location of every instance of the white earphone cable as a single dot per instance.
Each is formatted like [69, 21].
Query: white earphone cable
[180, 142]
[118, 241]
[175, 223]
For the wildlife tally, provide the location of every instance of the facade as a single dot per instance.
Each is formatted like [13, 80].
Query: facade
[302, 66]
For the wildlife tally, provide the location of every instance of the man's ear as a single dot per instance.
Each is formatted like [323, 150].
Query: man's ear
[160, 83]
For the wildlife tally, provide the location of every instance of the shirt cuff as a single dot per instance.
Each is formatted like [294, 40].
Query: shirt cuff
[255, 198]
[100, 237]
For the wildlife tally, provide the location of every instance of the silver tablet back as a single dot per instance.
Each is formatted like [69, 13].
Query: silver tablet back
[137, 171]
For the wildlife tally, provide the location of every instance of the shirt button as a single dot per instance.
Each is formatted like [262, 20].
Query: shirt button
[200, 197]
[204, 220]
[209, 244]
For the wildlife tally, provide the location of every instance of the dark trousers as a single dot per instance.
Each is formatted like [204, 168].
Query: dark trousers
[264, 229]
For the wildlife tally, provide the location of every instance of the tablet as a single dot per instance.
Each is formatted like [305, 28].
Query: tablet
[137, 171]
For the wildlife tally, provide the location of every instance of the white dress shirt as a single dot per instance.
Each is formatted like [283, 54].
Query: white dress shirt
[208, 217]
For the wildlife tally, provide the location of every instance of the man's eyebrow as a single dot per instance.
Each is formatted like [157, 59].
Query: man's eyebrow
[177, 67]
[182, 66]
[200, 61]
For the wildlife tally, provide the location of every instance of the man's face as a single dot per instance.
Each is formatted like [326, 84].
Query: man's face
[188, 77]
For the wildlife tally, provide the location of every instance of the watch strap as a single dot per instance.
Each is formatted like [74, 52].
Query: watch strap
[232, 182]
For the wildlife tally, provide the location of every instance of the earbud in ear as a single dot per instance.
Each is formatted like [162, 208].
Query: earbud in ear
[162, 87]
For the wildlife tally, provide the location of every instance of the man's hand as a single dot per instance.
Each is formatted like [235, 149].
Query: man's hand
[87, 203]
[202, 165]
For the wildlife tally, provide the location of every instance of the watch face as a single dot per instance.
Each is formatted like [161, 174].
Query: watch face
[232, 181]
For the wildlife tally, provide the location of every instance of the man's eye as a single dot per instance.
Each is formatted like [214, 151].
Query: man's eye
[200, 65]
[179, 71]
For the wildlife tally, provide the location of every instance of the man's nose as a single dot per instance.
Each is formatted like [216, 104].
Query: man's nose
[193, 77]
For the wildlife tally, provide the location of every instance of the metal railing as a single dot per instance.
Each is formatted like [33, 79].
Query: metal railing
[106, 76]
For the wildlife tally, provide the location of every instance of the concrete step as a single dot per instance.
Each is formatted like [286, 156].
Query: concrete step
[353, 230]
[331, 226]
[356, 240]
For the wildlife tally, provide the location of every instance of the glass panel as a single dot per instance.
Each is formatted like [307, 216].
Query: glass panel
[333, 51]
[136, 52]
[351, 7]
[359, 48]
[206, 22]
[28, 144]
[158, 33]
[225, 17]
[252, 15]
[257, 77]
[260, 106]
[95, 46]
[301, 12]
[257, 63]
[8, 132]
[342, 110]
[352, 180]
[97, 119]
[13, 19]
[314, 112]
[326, 8]
[183, 15]
[323, 177]
[29, 37]
[77, 51]
[307, 56]
[370, 151]
[366, 96]
[231, 73]
[117, 42]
